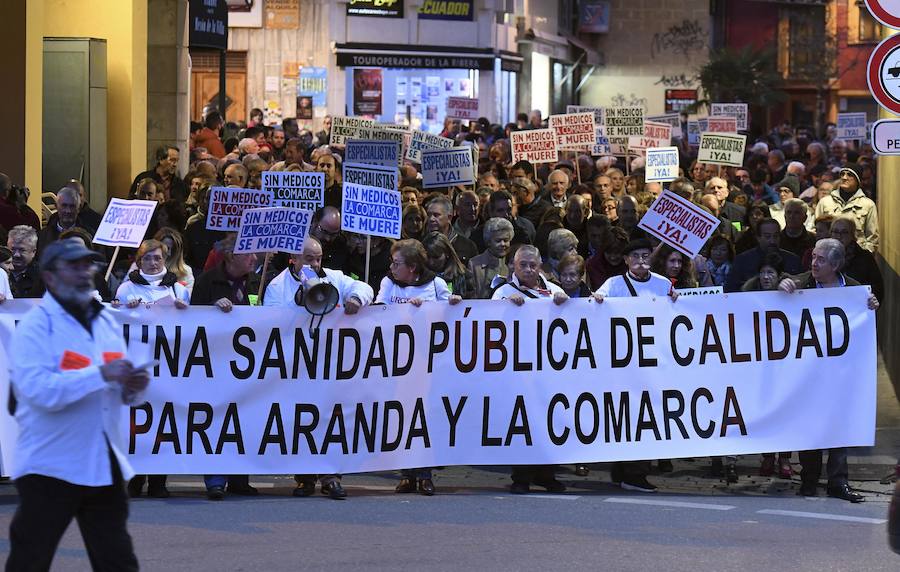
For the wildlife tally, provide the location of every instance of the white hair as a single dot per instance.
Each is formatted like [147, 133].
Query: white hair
[796, 168]
[759, 148]
[245, 144]
[605, 162]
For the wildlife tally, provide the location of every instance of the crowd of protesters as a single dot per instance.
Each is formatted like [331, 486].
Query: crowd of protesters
[799, 213]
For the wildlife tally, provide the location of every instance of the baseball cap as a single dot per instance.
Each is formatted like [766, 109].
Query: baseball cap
[67, 249]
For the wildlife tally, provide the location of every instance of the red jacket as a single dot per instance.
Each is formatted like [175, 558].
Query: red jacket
[209, 139]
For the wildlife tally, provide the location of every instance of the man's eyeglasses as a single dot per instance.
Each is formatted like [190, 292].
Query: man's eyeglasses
[327, 232]
[636, 256]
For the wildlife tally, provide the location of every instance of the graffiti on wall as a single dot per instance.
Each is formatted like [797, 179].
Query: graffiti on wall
[679, 40]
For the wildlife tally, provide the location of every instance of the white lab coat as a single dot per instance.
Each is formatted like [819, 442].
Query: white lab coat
[280, 291]
[66, 411]
[615, 287]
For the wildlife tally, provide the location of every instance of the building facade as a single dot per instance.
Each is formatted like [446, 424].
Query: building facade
[822, 47]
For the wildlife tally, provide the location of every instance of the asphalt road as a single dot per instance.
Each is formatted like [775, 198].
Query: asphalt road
[694, 523]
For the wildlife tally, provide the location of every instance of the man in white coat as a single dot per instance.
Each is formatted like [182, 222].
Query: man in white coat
[527, 283]
[353, 294]
[71, 383]
[637, 281]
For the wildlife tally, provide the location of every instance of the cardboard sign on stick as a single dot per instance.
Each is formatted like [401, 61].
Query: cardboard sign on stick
[679, 223]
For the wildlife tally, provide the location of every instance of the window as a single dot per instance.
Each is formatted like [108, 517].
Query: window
[806, 25]
[568, 17]
[869, 28]
[564, 81]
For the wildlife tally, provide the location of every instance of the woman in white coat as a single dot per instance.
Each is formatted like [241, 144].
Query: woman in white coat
[151, 282]
[411, 282]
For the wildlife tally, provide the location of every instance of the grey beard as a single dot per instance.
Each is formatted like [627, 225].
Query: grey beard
[74, 295]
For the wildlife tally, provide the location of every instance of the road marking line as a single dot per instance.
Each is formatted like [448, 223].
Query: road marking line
[201, 485]
[823, 516]
[675, 504]
[554, 497]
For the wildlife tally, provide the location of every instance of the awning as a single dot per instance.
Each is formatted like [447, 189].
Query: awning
[591, 56]
[510, 61]
[406, 56]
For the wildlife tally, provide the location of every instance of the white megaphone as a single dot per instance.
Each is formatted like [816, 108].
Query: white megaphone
[317, 296]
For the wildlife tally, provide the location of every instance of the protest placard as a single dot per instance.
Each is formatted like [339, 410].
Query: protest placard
[693, 133]
[736, 110]
[673, 119]
[679, 223]
[295, 189]
[662, 164]
[371, 210]
[599, 115]
[722, 149]
[124, 223]
[462, 108]
[534, 145]
[384, 153]
[227, 204]
[721, 125]
[701, 291]
[602, 146]
[851, 126]
[447, 167]
[390, 132]
[344, 128]
[624, 122]
[656, 134]
[574, 131]
[371, 176]
[273, 229]
[421, 140]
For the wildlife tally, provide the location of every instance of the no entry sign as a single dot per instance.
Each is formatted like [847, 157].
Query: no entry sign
[883, 74]
[885, 11]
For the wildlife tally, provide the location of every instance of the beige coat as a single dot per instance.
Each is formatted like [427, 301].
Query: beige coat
[863, 211]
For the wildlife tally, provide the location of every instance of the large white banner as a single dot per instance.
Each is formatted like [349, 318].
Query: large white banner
[487, 382]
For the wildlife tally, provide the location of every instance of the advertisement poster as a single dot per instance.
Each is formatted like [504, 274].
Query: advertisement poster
[461, 10]
[282, 14]
[304, 107]
[367, 91]
[375, 8]
[432, 86]
[593, 17]
[450, 86]
[313, 81]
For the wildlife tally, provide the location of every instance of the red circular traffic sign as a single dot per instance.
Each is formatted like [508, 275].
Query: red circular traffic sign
[885, 11]
[883, 74]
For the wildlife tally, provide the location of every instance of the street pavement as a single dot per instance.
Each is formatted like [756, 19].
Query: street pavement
[694, 522]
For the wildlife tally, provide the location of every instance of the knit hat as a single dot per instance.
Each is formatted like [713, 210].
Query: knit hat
[791, 182]
[854, 170]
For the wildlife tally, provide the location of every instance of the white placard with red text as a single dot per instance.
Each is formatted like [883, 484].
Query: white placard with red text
[679, 223]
